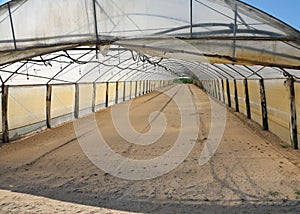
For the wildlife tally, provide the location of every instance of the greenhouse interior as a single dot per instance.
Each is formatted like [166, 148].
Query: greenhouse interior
[56, 68]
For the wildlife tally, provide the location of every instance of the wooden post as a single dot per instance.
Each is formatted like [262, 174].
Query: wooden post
[236, 97]
[48, 105]
[228, 93]
[5, 129]
[247, 99]
[94, 98]
[264, 111]
[76, 107]
[106, 94]
[117, 93]
[223, 91]
[293, 122]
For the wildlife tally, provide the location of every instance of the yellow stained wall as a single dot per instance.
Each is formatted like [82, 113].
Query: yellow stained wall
[158, 84]
[153, 85]
[120, 90]
[127, 89]
[241, 96]
[26, 105]
[1, 114]
[277, 95]
[62, 101]
[255, 102]
[297, 92]
[100, 93]
[85, 96]
[231, 88]
[133, 89]
[112, 92]
[139, 87]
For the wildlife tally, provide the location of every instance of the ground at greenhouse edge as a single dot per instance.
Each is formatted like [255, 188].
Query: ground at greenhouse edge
[251, 172]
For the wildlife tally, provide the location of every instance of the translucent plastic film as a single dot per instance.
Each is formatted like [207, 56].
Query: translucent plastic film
[222, 31]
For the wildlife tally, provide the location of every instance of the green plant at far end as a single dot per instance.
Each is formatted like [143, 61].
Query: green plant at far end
[184, 81]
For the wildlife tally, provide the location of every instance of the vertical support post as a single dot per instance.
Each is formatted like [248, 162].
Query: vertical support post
[117, 93]
[76, 106]
[95, 20]
[235, 30]
[48, 105]
[223, 91]
[5, 133]
[236, 97]
[140, 88]
[264, 111]
[247, 99]
[106, 94]
[12, 26]
[293, 122]
[136, 88]
[218, 87]
[94, 98]
[228, 93]
[130, 91]
[124, 91]
[191, 18]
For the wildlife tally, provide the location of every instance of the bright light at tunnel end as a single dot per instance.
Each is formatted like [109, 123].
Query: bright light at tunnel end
[101, 155]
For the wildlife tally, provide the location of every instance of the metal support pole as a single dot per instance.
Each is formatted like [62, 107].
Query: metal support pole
[293, 122]
[95, 20]
[76, 106]
[191, 18]
[236, 98]
[124, 91]
[263, 105]
[94, 98]
[5, 129]
[247, 99]
[130, 92]
[235, 30]
[12, 26]
[228, 93]
[140, 88]
[48, 105]
[219, 91]
[106, 94]
[117, 93]
[136, 88]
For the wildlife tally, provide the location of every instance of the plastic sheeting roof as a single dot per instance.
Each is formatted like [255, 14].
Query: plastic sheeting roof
[146, 39]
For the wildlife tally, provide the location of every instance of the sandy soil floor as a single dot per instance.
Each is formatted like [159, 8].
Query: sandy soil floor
[251, 172]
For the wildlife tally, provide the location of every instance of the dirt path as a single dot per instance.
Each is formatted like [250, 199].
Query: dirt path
[250, 172]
